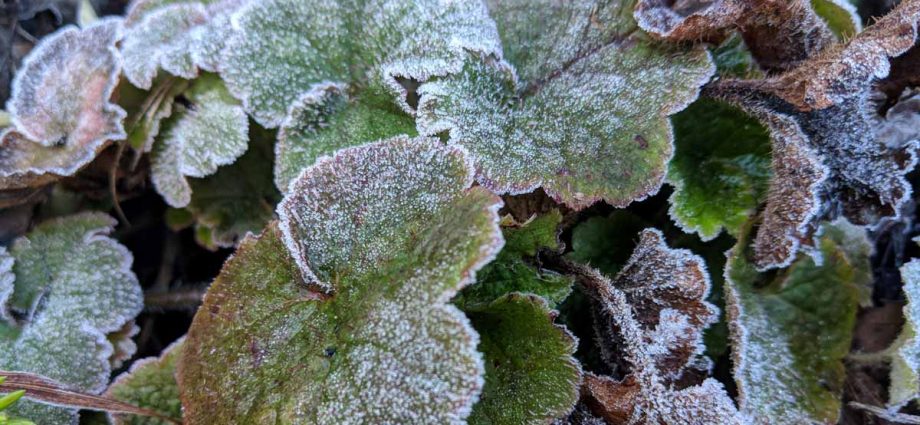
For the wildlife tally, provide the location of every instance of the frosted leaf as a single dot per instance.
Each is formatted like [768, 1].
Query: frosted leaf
[150, 384]
[579, 82]
[791, 331]
[833, 154]
[60, 106]
[531, 376]
[666, 289]
[394, 229]
[325, 119]
[61, 94]
[282, 48]
[159, 40]
[905, 361]
[177, 36]
[720, 170]
[652, 316]
[779, 34]
[515, 268]
[7, 277]
[358, 240]
[846, 71]
[73, 287]
[238, 199]
[210, 132]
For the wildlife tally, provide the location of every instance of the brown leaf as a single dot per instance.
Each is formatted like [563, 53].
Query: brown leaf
[833, 153]
[48, 391]
[846, 70]
[779, 33]
[651, 316]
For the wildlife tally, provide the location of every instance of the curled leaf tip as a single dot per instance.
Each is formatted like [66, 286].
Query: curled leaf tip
[61, 106]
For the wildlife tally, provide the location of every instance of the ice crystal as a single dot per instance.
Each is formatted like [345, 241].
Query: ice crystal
[73, 287]
[652, 316]
[281, 49]
[580, 106]
[210, 132]
[791, 331]
[60, 105]
[150, 384]
[779, 34]
[392, 230]
[833, 154]
[178, 36]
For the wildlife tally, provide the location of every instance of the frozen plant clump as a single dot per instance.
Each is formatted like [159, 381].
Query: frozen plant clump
[481, 212]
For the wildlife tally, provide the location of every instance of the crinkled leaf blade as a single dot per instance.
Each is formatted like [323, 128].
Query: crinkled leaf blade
[60, 106]
[531, 377]
[580, 107]
[792, 329]
[383, 346]
[720, 169]
[150, 384]
[76, 286]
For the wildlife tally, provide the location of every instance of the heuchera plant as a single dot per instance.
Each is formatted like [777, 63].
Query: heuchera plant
[464, 211]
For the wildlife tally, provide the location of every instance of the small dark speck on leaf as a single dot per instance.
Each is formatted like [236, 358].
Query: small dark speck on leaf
[643, 144]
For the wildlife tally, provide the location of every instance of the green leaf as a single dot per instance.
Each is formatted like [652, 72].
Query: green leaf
[8, 399]
[791, 329]
[210, 132]
[376, 239]
[238, 199]
[148, 109]
[150, 384]
[531, 377]
[73, 287]
[513, 269]
[840, 16]
[281, 49]
[733, 58]
[60, 105]
[720, 170]
[606, 243]
[579, 108]
[326, 119]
